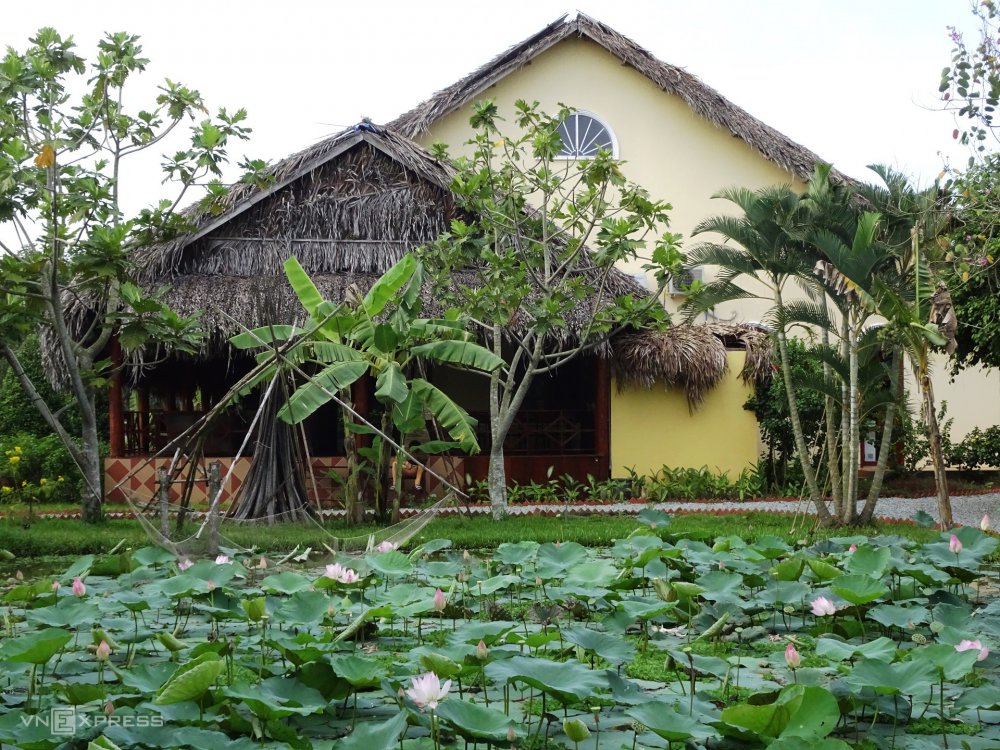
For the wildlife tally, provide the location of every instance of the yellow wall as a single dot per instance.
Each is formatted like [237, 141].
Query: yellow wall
[652, 428]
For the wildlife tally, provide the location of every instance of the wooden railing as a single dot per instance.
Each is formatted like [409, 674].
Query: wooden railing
[543, 432]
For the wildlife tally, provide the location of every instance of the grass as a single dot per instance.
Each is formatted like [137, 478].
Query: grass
[48, 537]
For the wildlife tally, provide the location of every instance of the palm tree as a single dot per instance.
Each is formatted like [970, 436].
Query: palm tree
[763, 247]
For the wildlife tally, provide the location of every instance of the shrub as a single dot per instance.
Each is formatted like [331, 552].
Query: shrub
[38, 466]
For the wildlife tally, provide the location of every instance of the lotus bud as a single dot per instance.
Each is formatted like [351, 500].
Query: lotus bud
[511, 734]
[184, 564]
[538, 582]
[78, 588]
[852, 549]
[792, 657]
[985, 523]
[103, 651]
[55, 586]
[262, 565]
[466, 557]
[109, 708]
[955, 544]
[576, 730]
[222, 560]
[19, 576]
[440, 602]
[482, 653]
[211, 585]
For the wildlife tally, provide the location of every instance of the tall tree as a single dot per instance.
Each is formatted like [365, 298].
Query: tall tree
[67, 266]
[761, 252]
[543, 235]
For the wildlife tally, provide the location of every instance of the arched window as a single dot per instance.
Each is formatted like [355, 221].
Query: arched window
[583, 134]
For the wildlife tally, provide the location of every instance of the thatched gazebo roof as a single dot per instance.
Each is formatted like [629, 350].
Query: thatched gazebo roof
[692, 357]
[702, 99]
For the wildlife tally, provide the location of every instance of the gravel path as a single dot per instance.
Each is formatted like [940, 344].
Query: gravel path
[968, 510]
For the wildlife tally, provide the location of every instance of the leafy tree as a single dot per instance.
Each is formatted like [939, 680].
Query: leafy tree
[543, 236]
[383, 334]
[762, 251]
[67, 268]
[970, 85]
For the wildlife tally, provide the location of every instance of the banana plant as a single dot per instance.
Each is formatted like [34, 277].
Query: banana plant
[380, 334]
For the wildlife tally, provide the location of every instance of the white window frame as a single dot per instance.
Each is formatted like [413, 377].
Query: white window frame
[600, 121]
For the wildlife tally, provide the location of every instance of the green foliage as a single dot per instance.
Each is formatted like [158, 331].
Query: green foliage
[970, 85]
[43, 469]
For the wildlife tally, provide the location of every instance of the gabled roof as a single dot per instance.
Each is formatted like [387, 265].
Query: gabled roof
[704, 100]
[160, 260]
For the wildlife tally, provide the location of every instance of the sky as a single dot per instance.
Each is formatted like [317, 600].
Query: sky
[853, 80]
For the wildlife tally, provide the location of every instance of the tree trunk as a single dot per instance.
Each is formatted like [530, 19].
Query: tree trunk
[832, 447]
[793, 414]
[497, 480]
[885, 443]
[93, 495]
[853, 447]
[940, 471]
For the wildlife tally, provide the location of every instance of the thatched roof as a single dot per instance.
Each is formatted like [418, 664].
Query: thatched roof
[703, 100]
[692, 357]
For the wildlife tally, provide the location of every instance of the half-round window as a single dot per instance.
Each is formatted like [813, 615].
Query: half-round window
[582, 134]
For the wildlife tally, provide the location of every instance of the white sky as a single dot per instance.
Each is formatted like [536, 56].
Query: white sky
[854, 80]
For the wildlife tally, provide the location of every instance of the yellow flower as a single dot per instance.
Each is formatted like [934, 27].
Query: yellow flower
[24, 482]
[60, 479]
[46, 157]
[17, 449]
[15, 459]
[43, 480]
[6, 489]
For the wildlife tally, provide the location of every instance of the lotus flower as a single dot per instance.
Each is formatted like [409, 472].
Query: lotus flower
[103, 651]
[349, 576]
[792, 657]
[55, 586]
[210, 585]
[974, 646]
[184, 564]
[427, 691]
[386, 546]
[822, 606]
[334, 572]
[482, 653]
[440, 602]
[985, 523]
[262, 565]
[852, 549]
[955, 544]
[222, 560]
[109, 708]
[78, 588]
[19, 576]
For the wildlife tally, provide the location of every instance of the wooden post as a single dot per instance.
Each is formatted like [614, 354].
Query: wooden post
[602, 416]
[142, 419]
[163, 490]
[215, 502]
[359, 395]
[116, 414]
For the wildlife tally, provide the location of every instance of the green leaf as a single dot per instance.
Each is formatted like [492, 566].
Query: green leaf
[475, 722]
[387, 287]
[804, 712]
[317, 392]
[462, 353]
[565, 680]
[303, 608]
[393, 564]
[664, 720]
[369, 735]
[858, 589]
[190, 680]
[881, 649]
[612, 648]
[35, 648]
[357, 670]
[869, 561]
[263, 336]
[391, 384]
[303, 286]
[452, 417]
[908, 677]
[288, 582]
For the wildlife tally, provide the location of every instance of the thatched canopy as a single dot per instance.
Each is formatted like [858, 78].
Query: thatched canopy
[703, 100]
[692, 357]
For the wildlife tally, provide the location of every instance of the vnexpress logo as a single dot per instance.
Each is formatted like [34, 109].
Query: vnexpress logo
[68, 720]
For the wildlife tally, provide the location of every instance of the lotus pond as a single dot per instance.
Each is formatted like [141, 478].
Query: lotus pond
[846, 643]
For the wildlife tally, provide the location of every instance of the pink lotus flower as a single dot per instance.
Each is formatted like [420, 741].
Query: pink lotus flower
[55, 586]
[19, 576]
[985, 523]
[482, 653]
[109, 708]
[427, 691]
[78, 588]
[439, 600]
[333, 572]
[386, 546]
[211, 585]
[349, 576]
[822, 606]
[184, 564]
[955, 544]
[973, 646]
[222, 560]
[103, 651]
[792, 657]
[852, 549]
